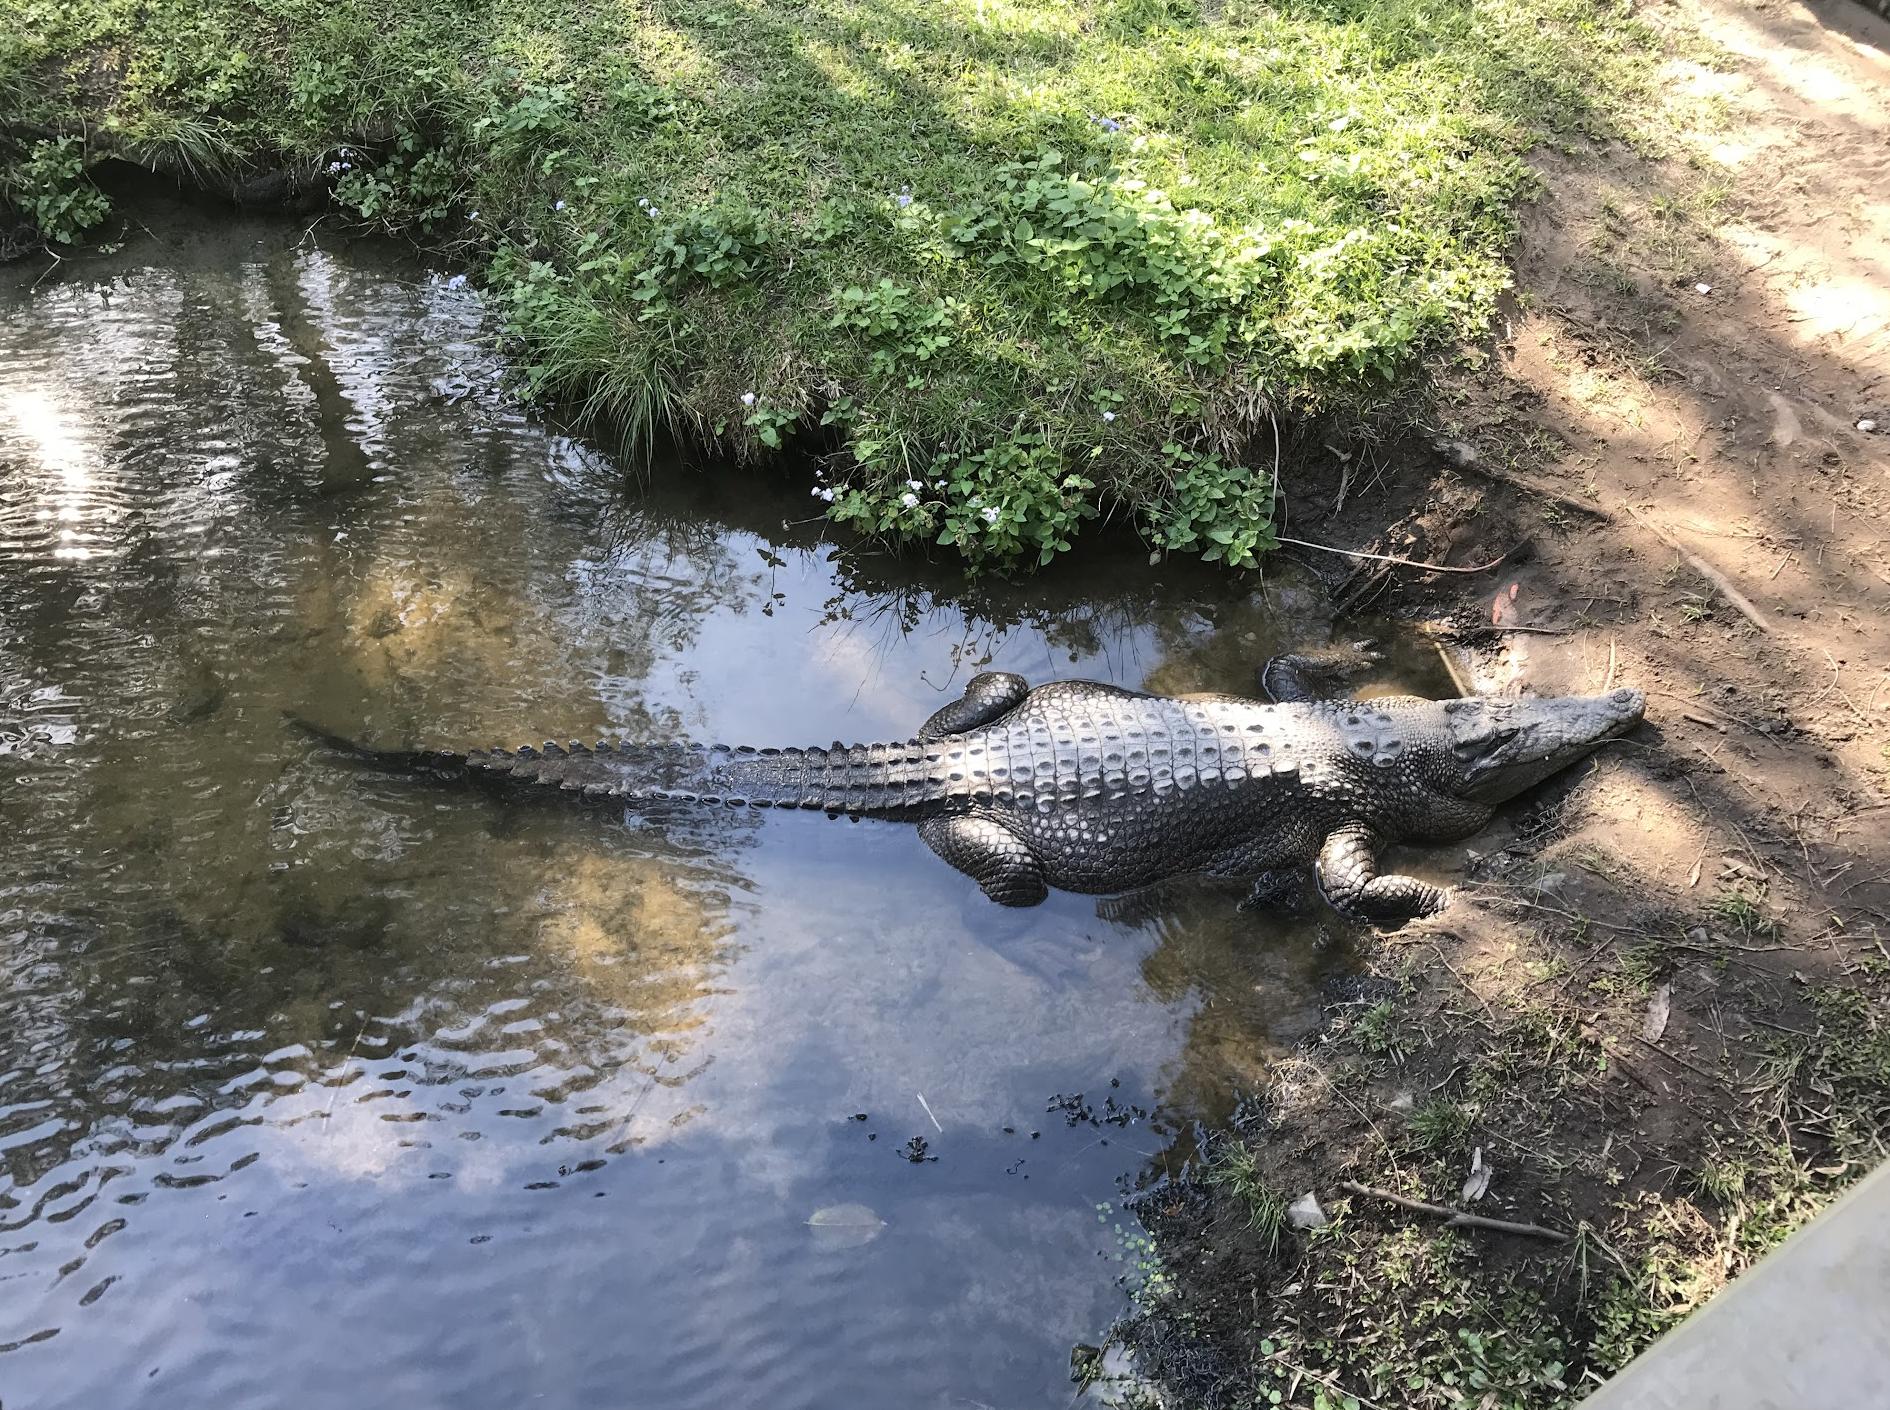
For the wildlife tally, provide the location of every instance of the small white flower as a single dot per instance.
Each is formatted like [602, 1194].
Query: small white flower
[748, 398]
[826, 495]
[334, 168]
[990, 514]
[643, 201]
[909, 499]
[914, 485]
[1109, 416]
[557, 205]
[904, 198]
[652, 212]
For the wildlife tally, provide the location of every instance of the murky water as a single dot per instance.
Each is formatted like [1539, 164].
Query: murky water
[328, 1088]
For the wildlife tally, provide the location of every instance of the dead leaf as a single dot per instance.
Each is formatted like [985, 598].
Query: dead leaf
[1503, 609]
[1658, 1007]
[1479, 1181]
[845, 1225]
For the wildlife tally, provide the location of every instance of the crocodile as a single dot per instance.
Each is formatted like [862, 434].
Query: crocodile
[1097, 789]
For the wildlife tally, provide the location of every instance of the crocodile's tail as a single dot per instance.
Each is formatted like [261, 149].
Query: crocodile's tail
[863, 780]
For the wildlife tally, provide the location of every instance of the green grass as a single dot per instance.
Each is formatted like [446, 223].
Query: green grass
[1380, 1032]
[1008, 266]
[1237, 1173]
[1740, 910]
[1381, 1309]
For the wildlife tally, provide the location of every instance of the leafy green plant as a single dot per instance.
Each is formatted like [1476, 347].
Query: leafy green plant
[770, 423]
[1741, 909]
[904, 329]
[321, 90]
[717, 246]
[50, 186]
[414, 185]
[1379, 1031]
[527, 115]
[1110, 237]
[1222, 511]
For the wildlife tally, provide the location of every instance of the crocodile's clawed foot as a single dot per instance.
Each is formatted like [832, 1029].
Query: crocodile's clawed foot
[1317, 674]
[1350, 880]
[1281, 892]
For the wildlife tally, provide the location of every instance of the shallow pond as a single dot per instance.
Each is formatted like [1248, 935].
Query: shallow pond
[324, 1087]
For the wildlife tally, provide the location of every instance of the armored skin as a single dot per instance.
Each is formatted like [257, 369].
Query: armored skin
[1093, 788]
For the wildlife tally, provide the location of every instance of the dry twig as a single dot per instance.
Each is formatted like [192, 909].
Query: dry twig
[1455, 1218]
[1706, 570]
[1496, 562]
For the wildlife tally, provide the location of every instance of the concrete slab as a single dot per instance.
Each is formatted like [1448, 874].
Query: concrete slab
[1809, 1326]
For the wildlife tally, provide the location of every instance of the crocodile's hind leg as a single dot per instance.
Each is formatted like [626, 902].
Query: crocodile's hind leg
[988, 695]
[990, 854]
[1348, 874]
[1315, 675]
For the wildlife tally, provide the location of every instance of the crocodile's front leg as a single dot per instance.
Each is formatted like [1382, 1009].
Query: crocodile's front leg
[1348, 874]
[987, 695]
[992, 855]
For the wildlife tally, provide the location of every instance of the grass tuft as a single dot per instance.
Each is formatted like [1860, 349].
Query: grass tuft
[1236, 1172]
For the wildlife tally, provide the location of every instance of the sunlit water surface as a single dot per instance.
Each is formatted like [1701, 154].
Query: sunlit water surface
[323, 1087]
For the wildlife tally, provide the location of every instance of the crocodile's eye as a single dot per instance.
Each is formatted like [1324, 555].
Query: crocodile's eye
[1485, 741]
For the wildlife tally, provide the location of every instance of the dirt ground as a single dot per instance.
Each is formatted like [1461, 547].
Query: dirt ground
[1657, 1009]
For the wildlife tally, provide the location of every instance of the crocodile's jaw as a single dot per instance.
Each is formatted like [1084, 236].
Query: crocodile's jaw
[1505, 747]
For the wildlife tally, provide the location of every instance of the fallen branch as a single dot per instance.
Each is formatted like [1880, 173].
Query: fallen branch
[1705, 570]
[1483, 631]
[1535, 487]
[1496, 562]
[1455, 1218]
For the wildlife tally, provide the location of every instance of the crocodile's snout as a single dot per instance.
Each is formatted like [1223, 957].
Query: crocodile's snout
[1507, 746]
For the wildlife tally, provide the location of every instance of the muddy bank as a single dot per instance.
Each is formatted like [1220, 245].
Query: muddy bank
[1658, 1010]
